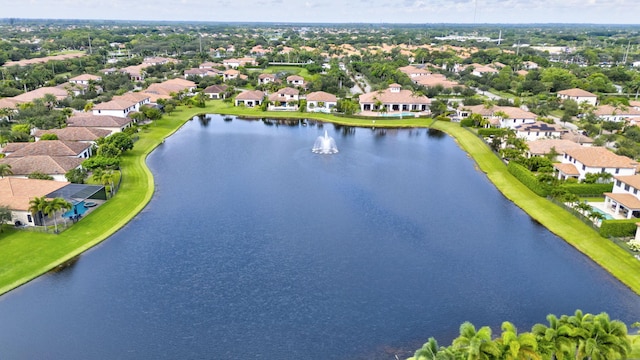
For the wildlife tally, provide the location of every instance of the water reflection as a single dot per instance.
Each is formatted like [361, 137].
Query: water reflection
[435, 134]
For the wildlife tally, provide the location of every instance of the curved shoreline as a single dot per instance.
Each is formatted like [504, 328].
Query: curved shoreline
[138, 187]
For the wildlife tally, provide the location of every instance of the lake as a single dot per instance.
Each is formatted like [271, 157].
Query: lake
[254, 247]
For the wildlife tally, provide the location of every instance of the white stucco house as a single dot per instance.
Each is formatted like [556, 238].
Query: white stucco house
[624, 199]
[576, 163]
[284, 99]
[579, 96]
[539, 130]
[250, 98]
[321, 101]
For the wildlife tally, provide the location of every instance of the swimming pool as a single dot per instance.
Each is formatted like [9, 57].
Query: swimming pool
[77, 209]
[606, 216]
[402, 114]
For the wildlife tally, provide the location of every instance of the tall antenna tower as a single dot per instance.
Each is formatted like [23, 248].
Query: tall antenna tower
[500, 38]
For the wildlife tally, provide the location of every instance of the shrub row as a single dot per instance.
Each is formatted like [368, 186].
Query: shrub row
[466, 123]
[492, 131]
[528, 179]
[618, 228]
[587, 189]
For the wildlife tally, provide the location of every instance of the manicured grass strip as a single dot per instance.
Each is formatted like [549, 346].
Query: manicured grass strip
[559, 221]
[25, 255]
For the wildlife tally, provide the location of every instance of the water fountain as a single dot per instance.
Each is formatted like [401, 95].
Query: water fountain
[325, 145]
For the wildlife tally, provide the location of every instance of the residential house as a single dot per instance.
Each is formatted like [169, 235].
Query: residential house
[480, 70]
[54, 166]
[157, 60]
[624, 199]
[135, 72]
[105, 122]
[578, 162]
[500, 116]
[250, 98]
[539, 130]
[434, 80]
[544, 147]
[209, 65]
[202, 72]
[40, 93]
[617, 114]
[284, 99]
[230, 74]
[578, 137]
[216, 91]
[579, 96]
[168, 88]
[413, 71]
[85, 79]
[16, 193]
[236, 63]
[295, 80]
[394, 99]
[48, 147]
[82, 134]
[321, 101]
[266, 79]
[529, 65]
[122, 105]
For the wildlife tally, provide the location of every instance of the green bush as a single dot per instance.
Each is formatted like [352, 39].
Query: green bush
[587, 189]
[466, 123]
[491, 131]
[528, 179]
[618, 228]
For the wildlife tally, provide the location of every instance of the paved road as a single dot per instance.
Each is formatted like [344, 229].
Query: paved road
[566, 125]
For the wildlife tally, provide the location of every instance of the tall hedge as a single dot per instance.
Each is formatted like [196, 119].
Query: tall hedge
[528, 179]
[466, 123]
[618, 228]
[587, 189]
[492, 131]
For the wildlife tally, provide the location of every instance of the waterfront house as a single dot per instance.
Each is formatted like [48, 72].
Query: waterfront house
[578, 162]
[284, 99]
[122, 105]
[624, 199]
[249, 98]
[321, 101]
[216, 91]
[394, 99]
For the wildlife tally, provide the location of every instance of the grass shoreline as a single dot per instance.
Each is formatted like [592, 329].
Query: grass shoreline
[26, 255]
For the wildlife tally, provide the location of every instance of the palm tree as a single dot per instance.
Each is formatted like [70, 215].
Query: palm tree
[36, 206]
[608, 339]
[553, 340]
[476, 345]
[50, 100]
[52, 207]
[428, 351]
[107, 179]
[5, 170]
[516, 346]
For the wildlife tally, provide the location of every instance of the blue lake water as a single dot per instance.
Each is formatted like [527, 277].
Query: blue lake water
[254, 247]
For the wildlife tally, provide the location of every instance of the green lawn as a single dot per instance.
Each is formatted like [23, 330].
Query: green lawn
[604, 252]
[296, 70]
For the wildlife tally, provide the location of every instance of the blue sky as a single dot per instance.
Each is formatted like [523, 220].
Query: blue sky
[360, 11]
